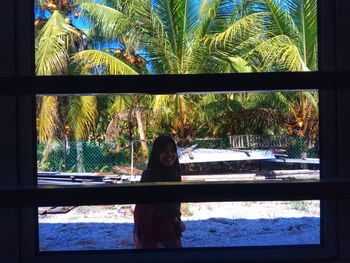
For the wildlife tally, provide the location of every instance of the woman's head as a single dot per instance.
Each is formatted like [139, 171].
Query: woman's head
[164, 152]
[163, 163]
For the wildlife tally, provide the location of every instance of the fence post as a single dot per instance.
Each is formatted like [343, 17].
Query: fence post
[132, 156]
[80, 157]
[65, 152]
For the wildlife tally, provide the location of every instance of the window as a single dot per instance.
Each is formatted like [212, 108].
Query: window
[263, 81]
[106, 140]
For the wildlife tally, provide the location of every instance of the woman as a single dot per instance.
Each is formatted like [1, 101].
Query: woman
[159, 225]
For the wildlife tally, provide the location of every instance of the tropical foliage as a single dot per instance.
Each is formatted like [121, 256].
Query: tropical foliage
[175, 37]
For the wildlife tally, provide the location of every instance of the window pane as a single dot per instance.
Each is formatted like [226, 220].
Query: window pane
[104, 139]
[74, 37]
[107, 139]
[215, 224]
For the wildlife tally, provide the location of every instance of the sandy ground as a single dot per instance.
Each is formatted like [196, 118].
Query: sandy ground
[223, 224]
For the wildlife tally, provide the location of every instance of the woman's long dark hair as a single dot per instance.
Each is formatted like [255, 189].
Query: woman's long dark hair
[156, 172]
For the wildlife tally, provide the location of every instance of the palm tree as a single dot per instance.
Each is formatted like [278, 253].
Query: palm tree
[291, 42]
[180, 37]
[303, 120]
[81, 117]
[175, 37]
[174, 112]
[49, 124]
[55, 37]
[136, 107]
[57, 114]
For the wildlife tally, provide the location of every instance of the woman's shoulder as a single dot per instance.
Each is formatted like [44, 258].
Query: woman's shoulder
[147, 176]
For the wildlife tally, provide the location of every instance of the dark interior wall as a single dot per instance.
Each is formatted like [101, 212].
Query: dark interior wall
[344, 157]
[9, 220]
[9, 249]
[343, 119]
[343, 36]
[7, 38]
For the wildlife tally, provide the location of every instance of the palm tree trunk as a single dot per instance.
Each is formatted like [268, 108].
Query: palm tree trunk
[46, 152]
[141, 129]
[181, 115]
[80, 157]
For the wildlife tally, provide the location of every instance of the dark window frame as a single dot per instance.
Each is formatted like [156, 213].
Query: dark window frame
[328, 83]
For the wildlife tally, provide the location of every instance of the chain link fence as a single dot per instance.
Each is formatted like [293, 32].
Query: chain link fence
[103, 157]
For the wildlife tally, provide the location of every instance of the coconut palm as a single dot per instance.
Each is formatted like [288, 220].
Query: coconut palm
[135, 106]
[263, 112]
[243, 113]
[81, 117]
[175, 112]
[303, 120]
[56, 39]
[175, 37]
[180, 37]
[291, 44]
[59, 115]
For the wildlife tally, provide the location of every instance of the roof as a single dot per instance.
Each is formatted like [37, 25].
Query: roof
[202, 155]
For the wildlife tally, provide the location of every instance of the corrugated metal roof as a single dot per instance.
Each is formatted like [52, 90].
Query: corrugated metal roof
[202, 155]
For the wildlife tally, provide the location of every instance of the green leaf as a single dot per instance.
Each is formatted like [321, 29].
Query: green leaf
[81, 115]
[53, 45]
[101, 63]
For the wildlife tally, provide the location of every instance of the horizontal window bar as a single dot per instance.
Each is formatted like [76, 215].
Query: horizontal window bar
[168, 192]
[159, 84]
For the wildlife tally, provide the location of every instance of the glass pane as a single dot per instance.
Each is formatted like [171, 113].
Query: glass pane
[107, 139]
[215, 224]
[84, 37]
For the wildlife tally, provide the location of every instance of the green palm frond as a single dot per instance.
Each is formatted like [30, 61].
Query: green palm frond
[258, 120]
[53, 45]
[280, 21]
[81, 115]
[215, 53]
[297, 20]
[279, 53]
[172, 108]
[241, 9]
[48, 121]
[162, 107]
[222, 14]
[239, 65]
[196, 58]
[165, 11]
[212, 54]
[161, 101]
[304, 15]
[243, 48]
[282, 101]
[312, 96]
[207, 12]
[107, 22]
[178, 18]
[101, 62]
[119, 104]
[155, 38]
[245, 28]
